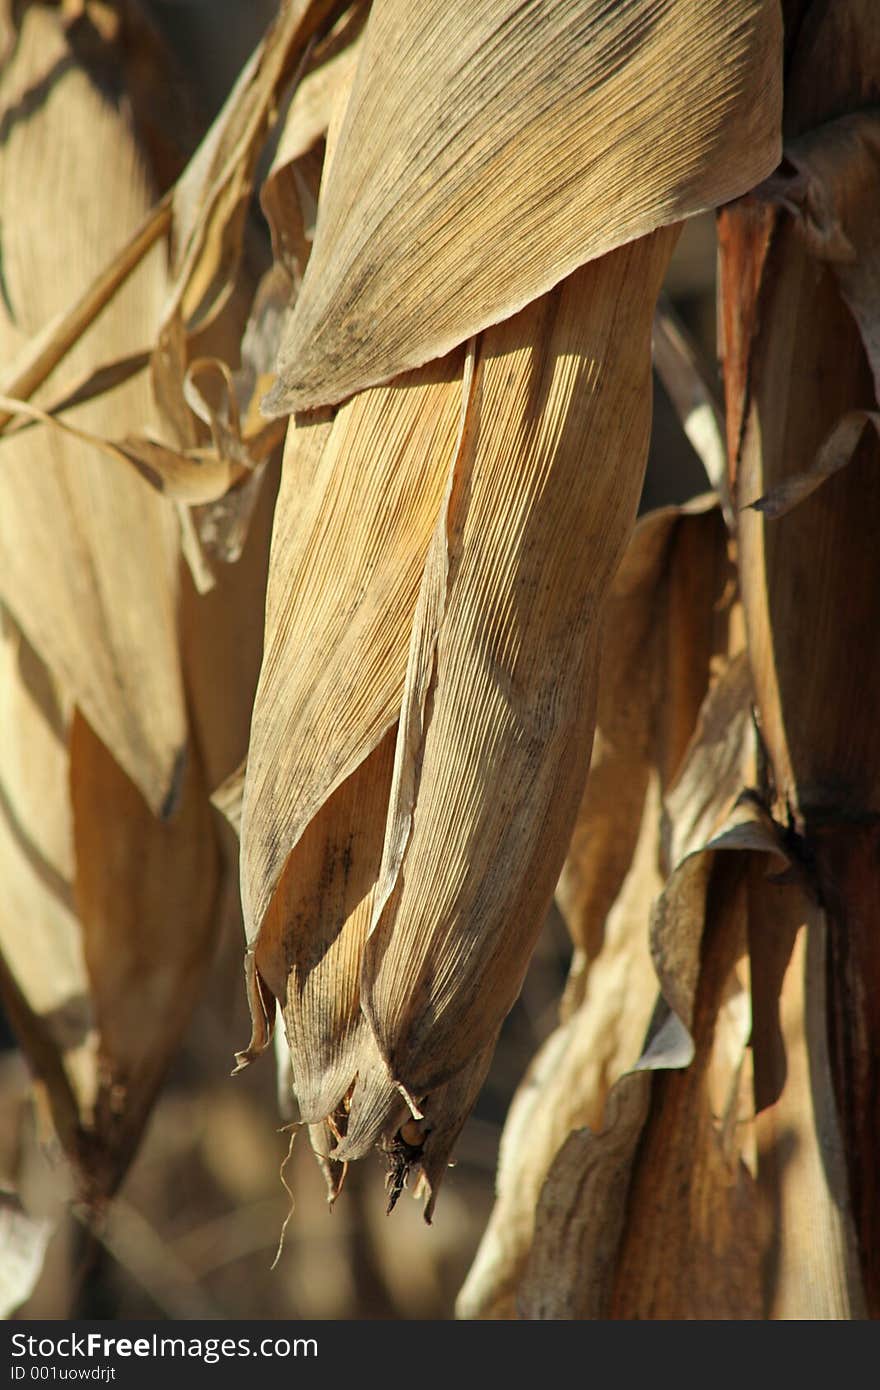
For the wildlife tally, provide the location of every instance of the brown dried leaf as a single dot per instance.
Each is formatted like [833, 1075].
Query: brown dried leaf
[489, 150]
[23, 1241]
[800, 612]
[809, 578]
[677, 363]
[719, 764]
[327, 79]
[210, 199]
[44, 982]
[667, 623]
[88, 553]
[811, 1268]
[146, 895]
[571, 1079]
[834, 453]
[581, 1212]
[494, 742]
[611, 1211]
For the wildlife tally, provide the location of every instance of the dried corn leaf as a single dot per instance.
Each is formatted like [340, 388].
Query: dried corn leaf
[43, 981]
[329, 75]
[803, 373]
[834, 453]
[719, 764]
[801, 614]
[667, 623]
[193, 476]
[677, 362]
[289, 194]
[206, 218]
[494, 744]
[146, 895]
[568, 1085]
[689, 1248]
[489, 150]
[210, 199]
[591, 1255]
[581, 1212]
[210, 206]
[88, 553]
[23, 1241]
[357, 506]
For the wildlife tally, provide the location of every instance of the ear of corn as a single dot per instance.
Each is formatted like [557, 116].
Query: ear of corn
[504, 656]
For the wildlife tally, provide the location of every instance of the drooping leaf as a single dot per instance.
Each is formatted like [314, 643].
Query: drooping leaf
[489, 150]
[88, 553]
[146, 896]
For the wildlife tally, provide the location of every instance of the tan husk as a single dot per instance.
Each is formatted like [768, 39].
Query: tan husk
[355, 513]
[494, 745]
[88, 553]
[309, 948]
[489, 150]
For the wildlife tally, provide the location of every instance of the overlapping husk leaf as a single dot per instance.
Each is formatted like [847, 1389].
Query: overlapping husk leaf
[501, 684]
[488, 151]
[536, 474]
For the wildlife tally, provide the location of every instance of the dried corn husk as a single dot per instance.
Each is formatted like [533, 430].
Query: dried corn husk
[500, 689]
[488, 151]
[358, 502]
